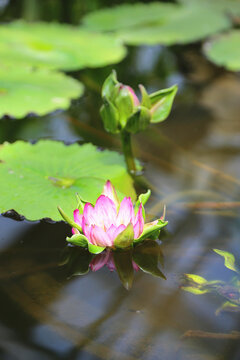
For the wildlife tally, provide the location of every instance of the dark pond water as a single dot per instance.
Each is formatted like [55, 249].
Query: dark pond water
[192, 161]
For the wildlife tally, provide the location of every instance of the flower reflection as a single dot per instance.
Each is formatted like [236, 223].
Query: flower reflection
[147, 257]
[230, 291]
[106, 258]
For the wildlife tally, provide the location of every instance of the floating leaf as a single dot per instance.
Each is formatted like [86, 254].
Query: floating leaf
[229, 7]
[189, 24]
[57, 46]
[23, 91]
[34, 179]
[229, 259]
[158, 23]
[127, 15]
[225, 50]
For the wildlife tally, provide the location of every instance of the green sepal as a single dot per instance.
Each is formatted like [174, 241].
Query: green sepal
[124, 267]
[139, 121]
[82, 241]
[125, 105]
[69, 220]
[110, 116]
[161, 103]
[229, 259]
[142, 199]
[80, 203]
[146, 102]
[94, 249]
[147, 256]
[125, 238]
[151, 231]
[108, 88]
[78, 239]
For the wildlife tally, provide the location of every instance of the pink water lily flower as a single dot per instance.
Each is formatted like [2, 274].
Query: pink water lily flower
[102, 223]
[111, 223]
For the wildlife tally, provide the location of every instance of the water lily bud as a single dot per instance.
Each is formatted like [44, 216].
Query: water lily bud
[139, 121]
[110, 116]
[109, 89]
[125, 101]
[122, 110]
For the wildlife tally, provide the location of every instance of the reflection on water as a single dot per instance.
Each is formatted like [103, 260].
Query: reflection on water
[230, 290]
[146, 256]
[192, 161]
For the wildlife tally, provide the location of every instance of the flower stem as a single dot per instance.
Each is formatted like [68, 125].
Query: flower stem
[127, 150]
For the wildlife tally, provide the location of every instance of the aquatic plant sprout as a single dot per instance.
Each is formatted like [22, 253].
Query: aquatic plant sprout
[111, 223]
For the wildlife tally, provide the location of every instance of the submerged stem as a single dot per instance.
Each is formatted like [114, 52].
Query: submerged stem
[127, 150]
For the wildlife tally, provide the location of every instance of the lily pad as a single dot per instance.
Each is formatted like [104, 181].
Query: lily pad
[24, 91]
[35, 179]
[128, 15]
[225, 50]
[57, 46]
[229, 7]
[189, 24]
[158, 23]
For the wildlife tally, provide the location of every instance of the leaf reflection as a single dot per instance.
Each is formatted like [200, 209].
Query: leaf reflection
[230, 290]
[147, 257]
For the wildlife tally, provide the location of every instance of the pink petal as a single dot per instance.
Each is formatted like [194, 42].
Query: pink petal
[99, 237]
[114, 231]
[88, 214]
[77, 217]
[126, 212]
[99, 261]
[105, 212]
[138, 227]
[134, 96]
[86, 228]
[110, 192]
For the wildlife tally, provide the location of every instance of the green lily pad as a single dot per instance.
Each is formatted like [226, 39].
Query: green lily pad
[229, 7]
[189, 24]
[127, 15]
[57, 46]
[158, 23]
[24, 91]
[225, 50]
[35, 179]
